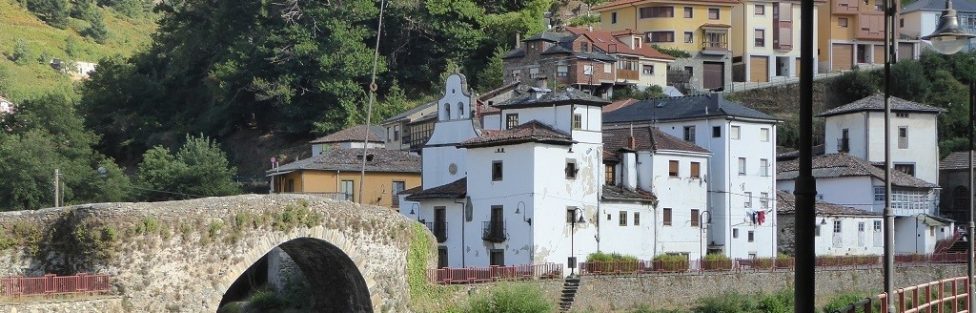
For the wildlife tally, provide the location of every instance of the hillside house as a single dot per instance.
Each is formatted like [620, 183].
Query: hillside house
[851, 33]
[766, 39]
[840, 230]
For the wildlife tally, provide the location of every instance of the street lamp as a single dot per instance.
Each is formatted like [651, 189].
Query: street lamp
[702, 221]
[948, 38]
[572, 238]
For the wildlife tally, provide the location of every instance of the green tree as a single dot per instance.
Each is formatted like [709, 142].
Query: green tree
[71, 47]
[84, 10]
[21, 53]
[853, 85]
[910, 82]
[97, 30]
[493, 74]
[198, 168]
[54, 12]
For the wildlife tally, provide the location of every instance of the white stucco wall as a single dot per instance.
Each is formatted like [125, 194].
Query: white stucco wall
[923, 148]
[636, 240]
[850, 240]
[856, 192]
[912, 236]
[681, 194]
[745, 22]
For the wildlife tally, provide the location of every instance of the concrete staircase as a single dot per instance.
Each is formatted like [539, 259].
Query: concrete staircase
[570, 287]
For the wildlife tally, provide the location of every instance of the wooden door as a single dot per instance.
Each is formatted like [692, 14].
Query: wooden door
[879, 54]
[759, 69]
[906, 51]
[842, 57]
[713, 75]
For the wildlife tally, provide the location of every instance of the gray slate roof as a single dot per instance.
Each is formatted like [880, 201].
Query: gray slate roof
[846, 165]
[531, 131]
[939, 5]
[453, 190]
[876, 103]
[614, 193]
[955, 161]
[542, 97]
[355, 133]
[786, 204]
[389, 161]
[679, 108]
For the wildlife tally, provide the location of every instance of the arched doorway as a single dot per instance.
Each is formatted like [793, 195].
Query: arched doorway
[334, 282]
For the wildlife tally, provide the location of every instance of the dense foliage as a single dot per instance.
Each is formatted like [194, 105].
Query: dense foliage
[519, 298]
[199, 168]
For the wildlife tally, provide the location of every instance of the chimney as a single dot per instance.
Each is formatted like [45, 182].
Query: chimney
[589, 27]
[628, 170]
[542, 82]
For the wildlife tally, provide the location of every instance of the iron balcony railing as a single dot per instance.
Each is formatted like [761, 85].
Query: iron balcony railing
[439, 228]
[493, 231]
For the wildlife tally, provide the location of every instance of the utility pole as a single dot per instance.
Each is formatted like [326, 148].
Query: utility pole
[804, 288]
[57, 188]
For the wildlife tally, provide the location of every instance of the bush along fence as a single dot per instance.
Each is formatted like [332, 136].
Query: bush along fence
[49, 285]
[782, 263]
[947, 295]
[469, 275]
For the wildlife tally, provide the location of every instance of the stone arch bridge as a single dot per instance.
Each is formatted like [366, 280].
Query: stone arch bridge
[183, 256]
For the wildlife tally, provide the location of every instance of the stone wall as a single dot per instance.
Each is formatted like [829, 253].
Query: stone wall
[610, 293]
[187, 254]
[106, 305]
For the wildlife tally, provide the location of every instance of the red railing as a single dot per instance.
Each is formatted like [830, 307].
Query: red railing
[757, 264]
[468, 275]
[943, 296]
[54, 285]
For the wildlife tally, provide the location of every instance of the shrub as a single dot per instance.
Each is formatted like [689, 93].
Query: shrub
[266, 300]
[519, 298]
[611, 262]
[21, 53]
[844, 300]
[676, 53]
[643, 308]
[715, 261]
[671, 263]
[778, 302]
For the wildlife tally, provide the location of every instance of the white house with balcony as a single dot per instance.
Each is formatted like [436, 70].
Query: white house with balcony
[741, 141]
[766, 40]
[857, 128]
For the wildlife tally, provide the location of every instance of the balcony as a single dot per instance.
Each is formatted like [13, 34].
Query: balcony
[844, 6]
[439, 228]
[869, 26]
[493, 231]
[623, 75]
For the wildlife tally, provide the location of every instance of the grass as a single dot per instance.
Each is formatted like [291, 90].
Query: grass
[126, 36]
[520, 298]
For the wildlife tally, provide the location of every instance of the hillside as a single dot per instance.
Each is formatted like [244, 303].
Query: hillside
[125, 36]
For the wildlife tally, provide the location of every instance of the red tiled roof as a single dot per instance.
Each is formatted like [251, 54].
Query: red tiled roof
[613, 106]
[619, 3]
[532, 131]
[646, 138]
[608, 42]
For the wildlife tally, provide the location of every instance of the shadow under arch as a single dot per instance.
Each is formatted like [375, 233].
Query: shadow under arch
[335, 282]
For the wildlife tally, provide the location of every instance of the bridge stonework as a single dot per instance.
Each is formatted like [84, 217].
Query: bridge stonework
[183, 256]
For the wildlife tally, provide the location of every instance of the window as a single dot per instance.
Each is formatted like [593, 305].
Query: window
[879, 193]
[396, 132]
[497, 257]
[571, 169]
[460, 109]
[348, 190]
[760, 38]
[931, 230]
[607, 68]
[735, 233]
[397, 187]
[716, 131]
[667, 217]
[735, 132]
[842, 21]
[447, 110]
[562, 71]
[695, 170]
[577, 121]
[690, 134]
[651, 12]
[496, 170]
[877, 226]
[860, 227]
[442, 257]
[816, 231]
[901, 114]
[903, 137]
[742, 166]
[695, 219]
[673, 168]
[748, 203]
[764, 167]
[901, 22]
[613, 17]
[389, 133]
[534, 73]
[906, 168]
[837, 228]
[661, 36]
[764, 134]
[689, 12]
[647, 69]
[587, 69]
[751, 236]
[610, 174]
[623, 218]
[636, 218]
[585, 46]
[761, 9]
[689, 37]
[764, 200]
[713, 13]
[511, 120]
[571, 215]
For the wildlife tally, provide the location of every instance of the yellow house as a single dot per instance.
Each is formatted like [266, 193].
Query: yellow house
[851, 33]
[700, 28]
[336, 173]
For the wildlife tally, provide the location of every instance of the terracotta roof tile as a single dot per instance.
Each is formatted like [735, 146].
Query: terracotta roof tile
[453, 190]
[647, 138]
[613, 106]
[532, 131]
[355, 133]
[614, 193]
[846, 165]
[608, 42]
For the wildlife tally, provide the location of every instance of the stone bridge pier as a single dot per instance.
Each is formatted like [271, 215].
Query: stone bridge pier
[184, 256]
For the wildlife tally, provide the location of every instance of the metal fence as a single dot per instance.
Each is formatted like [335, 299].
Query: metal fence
[943, 296]
[468, 275]
[54, 285]
[757, 264]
